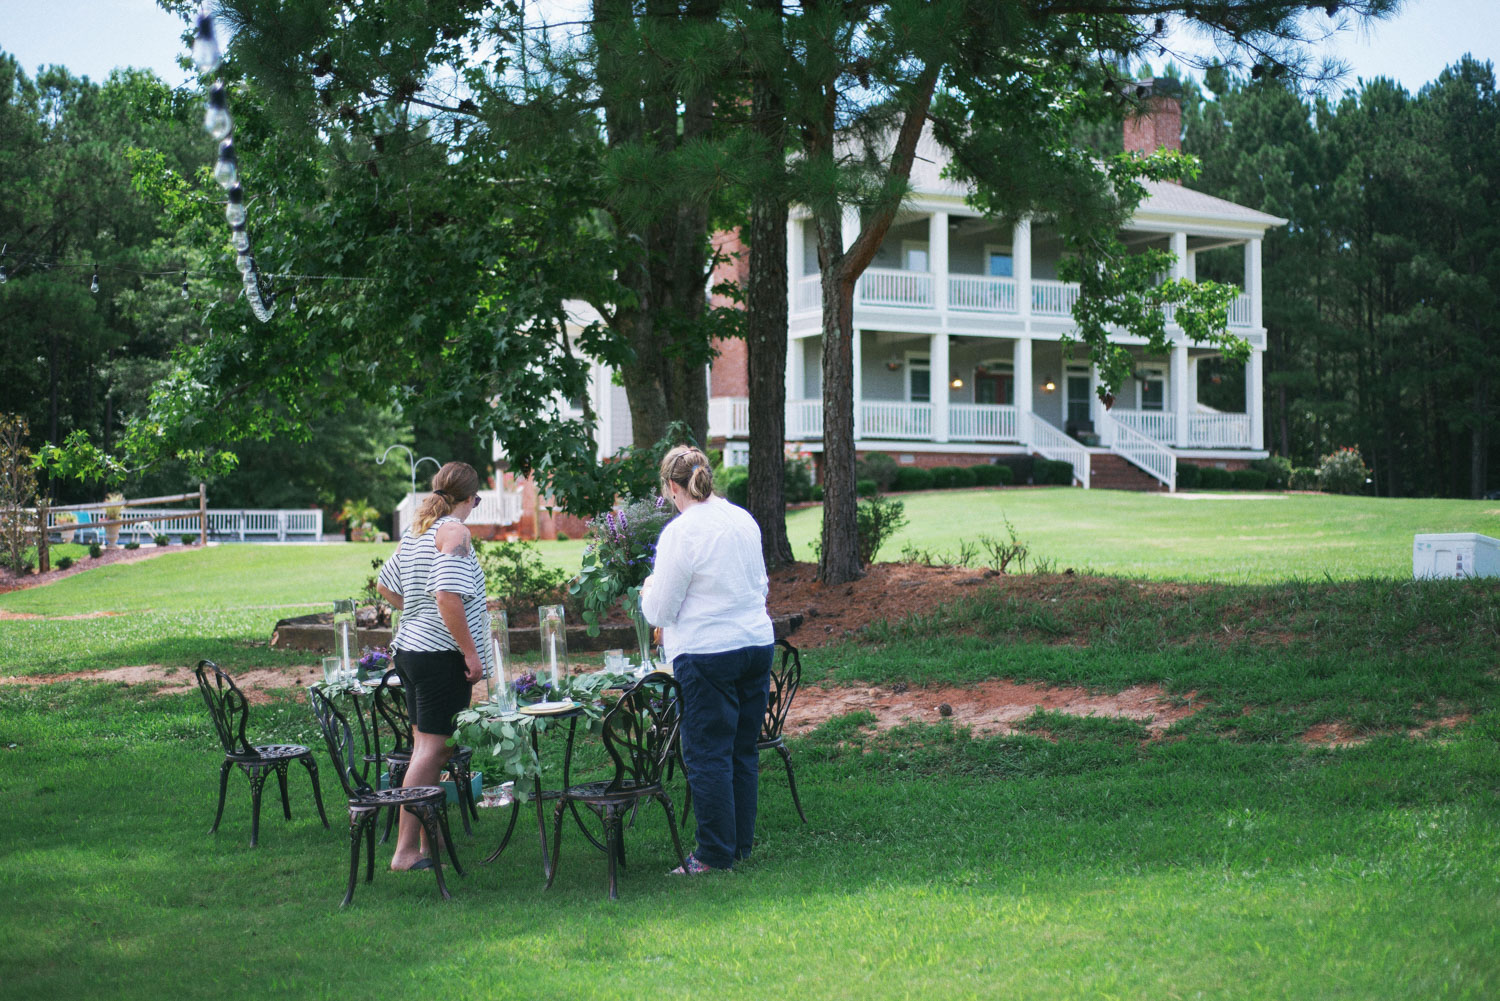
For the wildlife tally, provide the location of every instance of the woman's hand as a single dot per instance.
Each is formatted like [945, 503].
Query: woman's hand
[473, 667]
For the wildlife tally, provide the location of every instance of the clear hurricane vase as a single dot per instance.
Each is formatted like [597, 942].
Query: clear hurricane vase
[554, 638]
[502, 689]
[345, 640]
[642, 632]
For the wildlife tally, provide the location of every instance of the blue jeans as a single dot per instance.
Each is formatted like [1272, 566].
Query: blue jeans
[724, 700]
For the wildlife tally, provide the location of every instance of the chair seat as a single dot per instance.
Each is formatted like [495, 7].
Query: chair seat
[399, 796]
[600, 792]
[271, 752]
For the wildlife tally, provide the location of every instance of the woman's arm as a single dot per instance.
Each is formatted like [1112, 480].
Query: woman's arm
[391, 597]
[663, 592]
[451, 608]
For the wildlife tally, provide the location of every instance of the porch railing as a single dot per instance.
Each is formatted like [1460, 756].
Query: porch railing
[804, 419]
[880, 419]
[982, 422]
[1160, 425]
[1140, 450]
[728, 417]
[1049, 440]
[807, 294]
[892, 287]
[982, 294]
[1051, 298]
[1239, 311]
[496, 507]
[1218, 431]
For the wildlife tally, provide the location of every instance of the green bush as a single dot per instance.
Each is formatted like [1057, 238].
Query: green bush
[95, 550]
[1278, 470]
[866, 488]
[1247, 479]
[1214, 478]
[963, 476]
[162, 539]
[817, 492]
[188, 540]
[912, 478]
[733, 483]
[876, 520]
[797, 483]
[1342, 472]
[942, 477]
[515, 573]
[1049, 472]
[1188, 474]
[992, 475]
[132, 545]
[1303, 478]
[877, 466]
[64, 562]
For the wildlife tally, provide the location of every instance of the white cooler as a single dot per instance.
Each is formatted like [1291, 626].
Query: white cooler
[1457, 554]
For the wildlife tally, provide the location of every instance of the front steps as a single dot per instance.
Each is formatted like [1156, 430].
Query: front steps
[1108, 471]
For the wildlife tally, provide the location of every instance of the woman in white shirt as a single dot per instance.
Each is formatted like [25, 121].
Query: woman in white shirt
[708, 593]
[441, 644]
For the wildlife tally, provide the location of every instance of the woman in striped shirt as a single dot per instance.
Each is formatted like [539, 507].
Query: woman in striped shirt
[441, 644]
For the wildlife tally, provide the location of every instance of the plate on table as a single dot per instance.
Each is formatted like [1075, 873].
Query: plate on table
[548, 708]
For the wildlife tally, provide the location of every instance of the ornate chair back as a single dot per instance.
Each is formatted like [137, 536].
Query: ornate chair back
[641, 731]
[228, 708]
[347, 755]
[785, 680]
[389, 709]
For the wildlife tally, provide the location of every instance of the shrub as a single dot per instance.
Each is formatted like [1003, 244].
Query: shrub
[797, 479]
[876, 520]
[866, 488]
[188, 540]
[162, 539]
[963, 476]
[817, 492]
[516, 575]
[618, 557]
[1303, 478]
[1214, 478]
[1342, 472]
[912, 478]
[877, 466]
[562, 536]
[1052, 472]
[132, 545]
[95, 550]
[1278, 470]
[992, 476]
[1188, 475]
[942, 477]
[64, 562]
[735, 485]
[1247, 479]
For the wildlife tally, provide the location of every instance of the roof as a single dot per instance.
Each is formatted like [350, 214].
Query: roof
[1166, 198]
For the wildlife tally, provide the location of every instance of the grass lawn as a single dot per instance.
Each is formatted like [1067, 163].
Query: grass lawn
[1075, 859]
[1234, 537]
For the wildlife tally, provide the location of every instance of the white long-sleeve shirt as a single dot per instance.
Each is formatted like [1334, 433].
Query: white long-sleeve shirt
[708, 588]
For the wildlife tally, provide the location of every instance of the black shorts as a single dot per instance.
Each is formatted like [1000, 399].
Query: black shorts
[435, 686]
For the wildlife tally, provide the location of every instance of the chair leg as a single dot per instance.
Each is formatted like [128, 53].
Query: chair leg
[791, 780]
[460, 776]
[666, 803]
[428, 816]
[374, 821]
[442, 816]
[611, 848]
[398, 776]
[356, 835]
[224, 771]
[515, 812]
[312, 773]
[257, 783]
[557, 819]
[687, 806]
[286, 803]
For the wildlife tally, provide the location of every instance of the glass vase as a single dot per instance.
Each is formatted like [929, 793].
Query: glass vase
[554, 637]
[502, 690]
[642, 633]
[345, 642]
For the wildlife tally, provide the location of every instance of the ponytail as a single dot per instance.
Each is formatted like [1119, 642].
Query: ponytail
[451, 486]
[688, 467]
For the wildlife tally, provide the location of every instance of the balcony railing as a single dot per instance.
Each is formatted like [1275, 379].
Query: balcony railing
[1239, 311]
[881, 419]
[728, 417]
[1218, 431]
[1050, 298]
[807, 294]
[982, 422]
[982, 294]
[1158, 424]
[890, 287]
[804, 419]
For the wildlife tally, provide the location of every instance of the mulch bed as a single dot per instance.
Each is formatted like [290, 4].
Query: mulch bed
[10, 581]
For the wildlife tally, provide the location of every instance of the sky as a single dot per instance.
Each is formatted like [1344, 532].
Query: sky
[92, 37]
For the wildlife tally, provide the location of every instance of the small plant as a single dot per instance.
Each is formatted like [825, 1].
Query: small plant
[132, 545]
[876, 520]
[563, 537]
[1342, 472]
[162, 539]
[1004, 552]
[64, 562]
[188, 540]
[877, 466]
[95, 550]
[518, 576]
[797, 477]
[374, 662]
[359, 516]
[114, 509]
[618, 557]
[1303, 478]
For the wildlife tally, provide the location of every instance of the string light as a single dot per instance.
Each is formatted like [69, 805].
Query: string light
[217, 120]
[94, 282]
[184, 285]
[234, 211]
[3, 276]
[205, 47]
[226, 170]
[239, 239]
[291, 305]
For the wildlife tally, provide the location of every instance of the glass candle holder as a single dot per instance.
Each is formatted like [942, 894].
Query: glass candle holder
[332, 670]
[344, 638]
[501, 688]
[554, 643]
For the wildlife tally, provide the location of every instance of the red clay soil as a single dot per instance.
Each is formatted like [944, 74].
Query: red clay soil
[13, 582]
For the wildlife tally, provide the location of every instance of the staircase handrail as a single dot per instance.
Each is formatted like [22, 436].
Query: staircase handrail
[1049, 441]
[1141, 451]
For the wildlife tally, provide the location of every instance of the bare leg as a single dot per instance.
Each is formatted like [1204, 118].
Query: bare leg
[428, 756]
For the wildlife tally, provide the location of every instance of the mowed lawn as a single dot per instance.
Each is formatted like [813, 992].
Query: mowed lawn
[1228, 858]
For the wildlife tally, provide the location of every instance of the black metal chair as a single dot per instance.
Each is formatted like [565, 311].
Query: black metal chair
[429, 804]
[785, 680]
[389, 707]
[230, 712]
[640, 735]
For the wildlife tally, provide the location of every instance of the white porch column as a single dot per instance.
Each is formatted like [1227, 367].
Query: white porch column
[599, 386]
[1252, 283]
[859, 385]
[794, 262]
[1254, 373]
[1022, 382]
[796, 359]
[1096, 405]
[1020, 259]
[1192, 266]
[1180, 252]
[940, 376]
[1178, 380]
[937, 261]
[851, 225]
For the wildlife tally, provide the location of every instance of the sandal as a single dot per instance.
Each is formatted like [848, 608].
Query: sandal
[691, 868]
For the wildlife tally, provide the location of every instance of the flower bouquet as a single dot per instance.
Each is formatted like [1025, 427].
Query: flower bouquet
[373, 663]
[617, 559]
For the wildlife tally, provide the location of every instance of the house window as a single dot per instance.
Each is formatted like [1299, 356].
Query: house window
[998, 263]
[918, 379]
[994, 383]
[736, 453]
[1078, 396]
[914, 255]
[1153, 389]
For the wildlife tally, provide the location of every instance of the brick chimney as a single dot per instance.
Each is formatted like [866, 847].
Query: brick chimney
[1158, 125]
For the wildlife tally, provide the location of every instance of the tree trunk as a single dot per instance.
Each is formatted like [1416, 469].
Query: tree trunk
[766, 341]
[838, 561]
[1479, 441]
